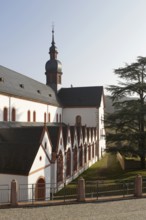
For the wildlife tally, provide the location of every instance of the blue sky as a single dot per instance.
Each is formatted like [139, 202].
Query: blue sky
[93, 37]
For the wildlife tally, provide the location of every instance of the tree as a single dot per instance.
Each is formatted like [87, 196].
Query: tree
[126, 127]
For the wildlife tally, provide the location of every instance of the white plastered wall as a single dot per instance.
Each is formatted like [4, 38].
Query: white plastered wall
[88, 115]
[22, 106]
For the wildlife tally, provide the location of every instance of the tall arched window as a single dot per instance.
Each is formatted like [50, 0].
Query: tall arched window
[13, 114]
[34, 116]
[49, 117]
[78, 120]
[45, 117]
[60, 118]
[5, 114]
[56, 117]
[28, 115]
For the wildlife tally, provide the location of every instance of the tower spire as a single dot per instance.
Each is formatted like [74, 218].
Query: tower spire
[53, 42]
[53, 49]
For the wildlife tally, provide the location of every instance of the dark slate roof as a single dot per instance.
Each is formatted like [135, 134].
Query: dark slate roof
[21, 134]
[22, 86]
[81, 96]
[54, 132]
[18, 148]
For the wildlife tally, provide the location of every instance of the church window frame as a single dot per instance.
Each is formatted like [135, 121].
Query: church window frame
[49, 117]
[34, 116]
[78, 120]
[57, 117]
[5, 114]
[28, 116]
[45, 117]
[13, 114]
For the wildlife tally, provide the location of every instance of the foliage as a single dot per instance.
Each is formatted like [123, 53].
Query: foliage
[126, 126]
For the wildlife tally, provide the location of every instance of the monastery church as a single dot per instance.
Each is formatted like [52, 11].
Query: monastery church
[48, 134]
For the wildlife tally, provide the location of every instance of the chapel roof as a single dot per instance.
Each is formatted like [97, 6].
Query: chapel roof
[14, 83]
[18, 149]
[81, 96]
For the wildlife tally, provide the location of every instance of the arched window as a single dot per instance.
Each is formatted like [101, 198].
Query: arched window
[81, 156]
[75, 159]
[34, 116]
[68, 162]
[78, 120]
[28, 115]
[49, 117]
[13, 114]
[93, 151]
[5, 114]
[60, 167]
[60, 118]
[59, 79]
[45, 117]
[56, 117]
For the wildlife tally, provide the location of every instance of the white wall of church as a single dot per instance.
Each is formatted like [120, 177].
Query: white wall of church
[23, 106]
[5, 184]
[4, 102]
[40, 163]
[88, 115]
[7, 179]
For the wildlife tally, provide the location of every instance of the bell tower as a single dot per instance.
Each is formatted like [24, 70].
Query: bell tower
[53, 67]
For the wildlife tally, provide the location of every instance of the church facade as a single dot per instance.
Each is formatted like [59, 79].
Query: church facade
[48, 134]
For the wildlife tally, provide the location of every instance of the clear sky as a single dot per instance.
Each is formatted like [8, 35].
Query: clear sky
[93, 37]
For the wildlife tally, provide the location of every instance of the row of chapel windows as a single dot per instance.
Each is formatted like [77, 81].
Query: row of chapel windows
[58, 117]
[5, 116]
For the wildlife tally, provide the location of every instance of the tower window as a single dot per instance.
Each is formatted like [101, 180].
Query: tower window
[59, 79]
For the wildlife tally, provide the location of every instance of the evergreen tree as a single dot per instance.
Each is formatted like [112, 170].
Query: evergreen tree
[126, 127]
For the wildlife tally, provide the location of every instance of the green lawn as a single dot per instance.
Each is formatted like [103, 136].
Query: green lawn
[108, 168]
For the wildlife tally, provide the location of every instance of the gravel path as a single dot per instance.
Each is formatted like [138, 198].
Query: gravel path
[126, 209]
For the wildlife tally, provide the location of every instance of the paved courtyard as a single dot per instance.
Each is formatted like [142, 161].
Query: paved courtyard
[125, 209]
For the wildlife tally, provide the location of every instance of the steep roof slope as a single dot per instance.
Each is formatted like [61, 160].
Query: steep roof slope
[18, 148]
[81, 96]
[22, 86]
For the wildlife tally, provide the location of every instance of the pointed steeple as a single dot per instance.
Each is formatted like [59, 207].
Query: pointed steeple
[53, 49]
[53, 67]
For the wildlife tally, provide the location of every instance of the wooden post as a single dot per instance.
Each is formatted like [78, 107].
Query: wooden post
[138, 186]
[14, 192]
[81, 190]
